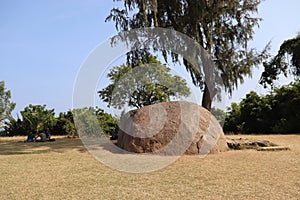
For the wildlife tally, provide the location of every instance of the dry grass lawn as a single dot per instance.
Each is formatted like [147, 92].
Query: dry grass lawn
[65, 170]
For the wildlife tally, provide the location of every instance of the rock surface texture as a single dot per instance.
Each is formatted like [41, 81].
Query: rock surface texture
[260, 145]
[171, 128]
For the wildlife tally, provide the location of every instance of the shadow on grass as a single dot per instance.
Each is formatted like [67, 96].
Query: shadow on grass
[61, 145]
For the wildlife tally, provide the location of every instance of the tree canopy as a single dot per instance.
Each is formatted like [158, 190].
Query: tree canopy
[37, 117]
[222, 28]
[89, 119]
[277, 112]
[64, 124]
[150, 83]
[219, 114]
[287, 61]
[6, 106]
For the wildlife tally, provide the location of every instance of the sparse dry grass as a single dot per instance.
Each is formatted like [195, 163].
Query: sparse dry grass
[65, 170]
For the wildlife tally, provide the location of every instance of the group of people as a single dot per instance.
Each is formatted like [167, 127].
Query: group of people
[40, 136]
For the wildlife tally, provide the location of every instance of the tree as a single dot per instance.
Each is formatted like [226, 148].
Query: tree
[287, 61]
[15, 127]
[277, 112]
[108, 123]
[233, 122]
[222, 28]
[88, 119]
[219, 114]
[6, 106]
[253, 114]
[37, 117]
[65, 124]
[286, 106]
[150, 83]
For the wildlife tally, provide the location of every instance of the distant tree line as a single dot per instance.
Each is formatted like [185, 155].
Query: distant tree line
[277, 112]
[39, 118]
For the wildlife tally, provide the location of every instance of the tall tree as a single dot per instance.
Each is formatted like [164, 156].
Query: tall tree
[151, 83]
[86, 122]
[287, 61]
[223, 28]
[6, 106]
[107, 122]
[233, 123]
[37, 117]
[65, 124]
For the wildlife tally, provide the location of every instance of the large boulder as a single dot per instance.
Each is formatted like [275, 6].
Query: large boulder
[171, 128]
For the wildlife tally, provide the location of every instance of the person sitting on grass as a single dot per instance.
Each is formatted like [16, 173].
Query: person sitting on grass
[30, 137]
[48, 136]
[41, 135]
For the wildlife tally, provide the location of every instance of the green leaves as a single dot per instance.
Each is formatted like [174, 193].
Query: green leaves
[89, 119]
[277, 112]
[223, 28]
[146, 84]
[6, 106]
[37, 117]
[287, 61]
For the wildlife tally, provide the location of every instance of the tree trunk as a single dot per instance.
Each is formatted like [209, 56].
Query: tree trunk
[206, 98]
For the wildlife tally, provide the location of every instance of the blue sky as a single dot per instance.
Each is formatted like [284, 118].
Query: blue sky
[44, 42]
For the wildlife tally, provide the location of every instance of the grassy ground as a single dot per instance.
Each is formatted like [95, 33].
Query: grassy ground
[65, 170]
